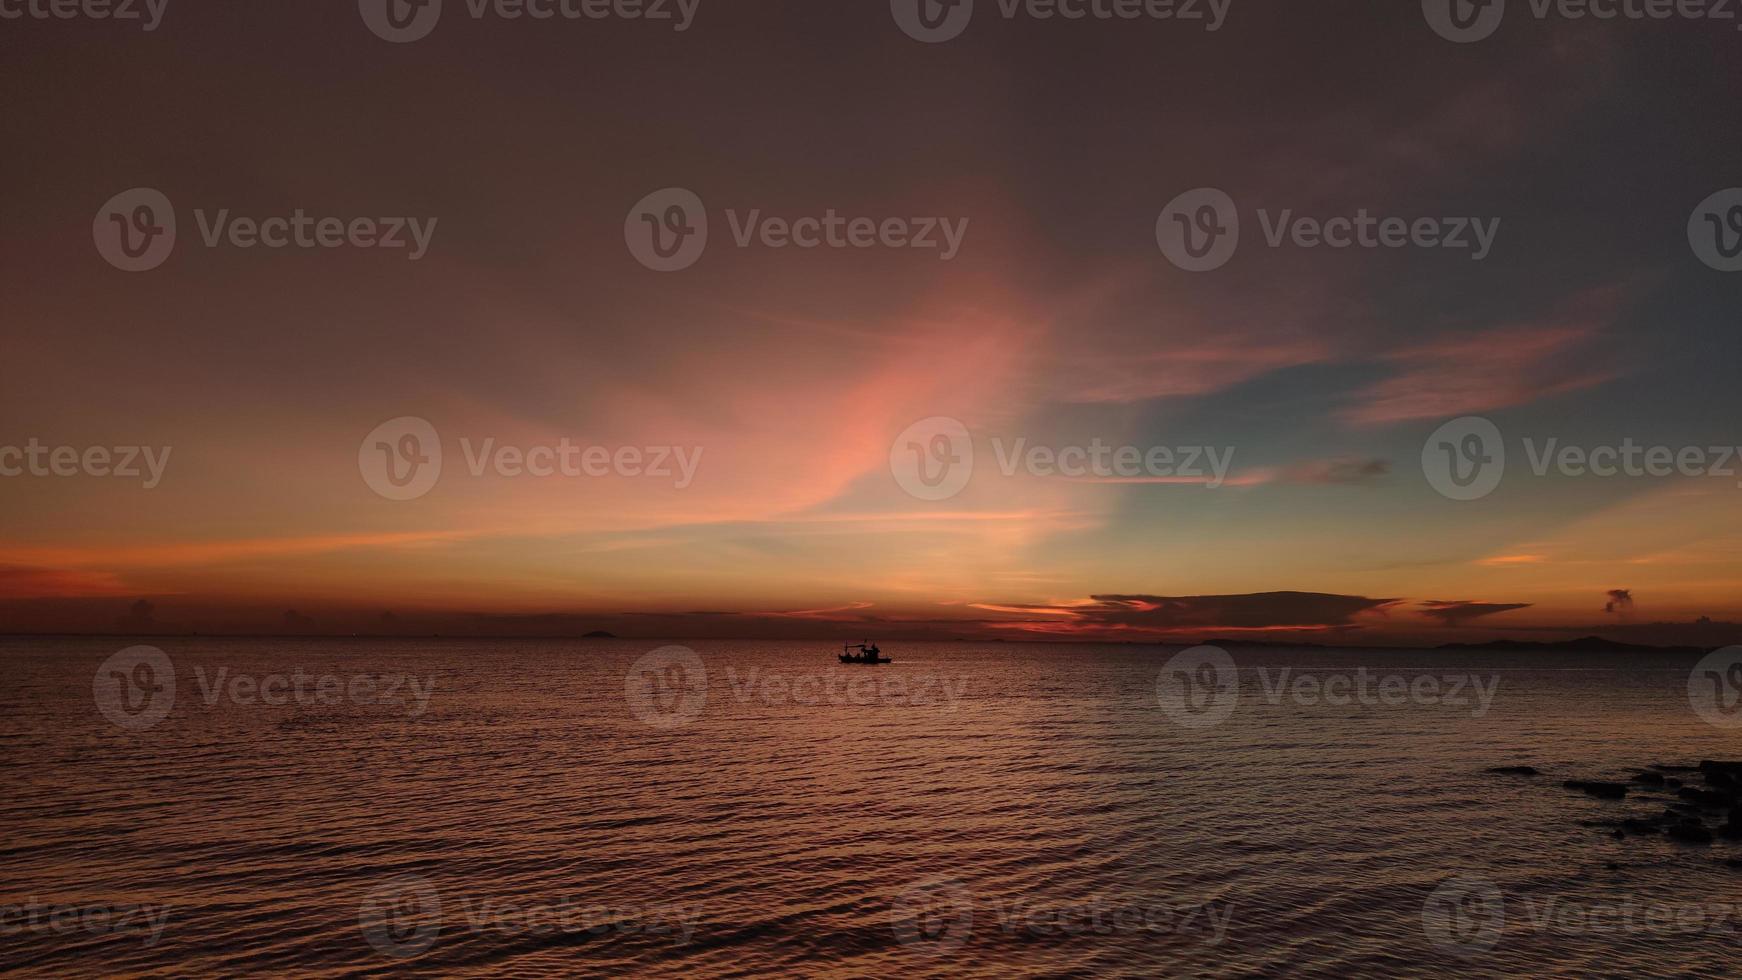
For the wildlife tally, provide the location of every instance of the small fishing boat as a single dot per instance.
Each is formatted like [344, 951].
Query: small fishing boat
[868, 654]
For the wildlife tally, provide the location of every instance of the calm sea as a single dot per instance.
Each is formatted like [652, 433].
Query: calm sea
[558, 808]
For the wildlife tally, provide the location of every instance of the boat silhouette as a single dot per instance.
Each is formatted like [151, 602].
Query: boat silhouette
[868, 654]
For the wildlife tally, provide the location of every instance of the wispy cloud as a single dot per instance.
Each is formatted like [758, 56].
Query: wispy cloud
[1265, 611]
[1493, 369]
[1458, 612]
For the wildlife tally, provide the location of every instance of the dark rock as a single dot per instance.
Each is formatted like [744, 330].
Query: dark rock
[1602, 791]
[1612, 866]
[1690, 835]
[1649, 778]
[1640, 828]
[1714, 799]
[1673, 783]
[1709, 766]
[1515, 770]
[1733, 863]
[1731, 831]
[1619, 835]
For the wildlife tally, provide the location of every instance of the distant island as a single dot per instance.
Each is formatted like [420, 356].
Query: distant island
[599, 635]
[1584, 644]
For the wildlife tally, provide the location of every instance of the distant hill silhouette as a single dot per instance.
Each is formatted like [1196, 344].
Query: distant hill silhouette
[1584, 644]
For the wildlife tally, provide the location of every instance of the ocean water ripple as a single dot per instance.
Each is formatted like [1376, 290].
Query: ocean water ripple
[539, 808]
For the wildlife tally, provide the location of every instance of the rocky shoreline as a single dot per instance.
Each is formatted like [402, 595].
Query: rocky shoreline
[1697, 805]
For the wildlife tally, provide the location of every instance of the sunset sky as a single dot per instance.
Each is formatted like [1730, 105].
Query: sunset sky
[1060, 322]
